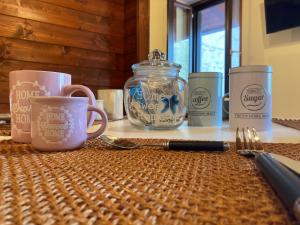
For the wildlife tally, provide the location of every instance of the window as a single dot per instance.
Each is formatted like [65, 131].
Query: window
[179, 50]
[210, 38]
[204, 34]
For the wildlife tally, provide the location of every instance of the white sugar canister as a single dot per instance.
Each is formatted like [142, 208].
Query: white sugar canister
[250, 93]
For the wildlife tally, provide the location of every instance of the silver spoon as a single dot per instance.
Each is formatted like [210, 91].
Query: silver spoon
[172, 144]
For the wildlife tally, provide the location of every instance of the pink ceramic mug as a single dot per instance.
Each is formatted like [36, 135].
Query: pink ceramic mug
[60, 123]
[27, 83]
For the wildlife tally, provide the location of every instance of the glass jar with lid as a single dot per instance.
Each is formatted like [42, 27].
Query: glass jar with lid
[156, 97]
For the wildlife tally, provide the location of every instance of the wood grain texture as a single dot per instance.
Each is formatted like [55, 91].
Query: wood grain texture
[130, 27]
[96, 41]
[4, 108]
[130, 44]
[94, 78]
[23, 50]
[19, 28]
[4, 96]
[131, 9]
[130, 59]
[57, 15]
[143, 27]
[97, 7]
[79, 74]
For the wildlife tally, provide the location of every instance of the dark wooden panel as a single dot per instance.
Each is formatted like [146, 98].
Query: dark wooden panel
[130, 59]
[118, 1]
[84, 38]
[45, 12]
[93, 78]
[130, 26]
[4, 96]
[46, 33]
[128, 74]
[10, 65]
[131, 9]
[97, 7]
[99, 78]
[4, 108]
[14, 49]
[143, 29]
[79, 74]
[130, 44]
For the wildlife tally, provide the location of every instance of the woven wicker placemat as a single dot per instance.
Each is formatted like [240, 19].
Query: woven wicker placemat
[288, 123]
[4, 130]
[101, 185]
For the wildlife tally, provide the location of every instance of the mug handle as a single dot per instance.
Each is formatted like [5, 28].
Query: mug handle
[104, 122]
[70, 89]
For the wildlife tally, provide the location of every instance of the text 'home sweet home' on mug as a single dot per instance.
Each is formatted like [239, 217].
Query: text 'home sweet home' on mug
[24, 84]
[205, 99]
[250, 91]
[60, 123]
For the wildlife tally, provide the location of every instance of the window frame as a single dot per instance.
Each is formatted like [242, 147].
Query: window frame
[196, 7]
[172, 4]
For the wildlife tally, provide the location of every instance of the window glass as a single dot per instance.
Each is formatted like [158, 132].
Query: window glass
[181, 54]
[211, 39]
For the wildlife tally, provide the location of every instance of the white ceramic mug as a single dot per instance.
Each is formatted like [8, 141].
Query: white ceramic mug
[250, 91]
[113, 102]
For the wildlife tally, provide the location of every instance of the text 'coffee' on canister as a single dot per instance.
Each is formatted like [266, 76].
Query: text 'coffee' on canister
[250, 93]
[205, 99]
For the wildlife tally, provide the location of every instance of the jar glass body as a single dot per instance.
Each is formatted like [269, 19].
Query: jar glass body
[155, 98]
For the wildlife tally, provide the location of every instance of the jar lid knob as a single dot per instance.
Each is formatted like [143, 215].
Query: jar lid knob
[155, 56]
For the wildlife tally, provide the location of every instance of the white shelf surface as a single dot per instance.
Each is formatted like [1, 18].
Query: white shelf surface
[278, 134]
[122, 128]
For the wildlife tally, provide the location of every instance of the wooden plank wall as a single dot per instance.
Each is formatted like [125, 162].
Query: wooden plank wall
[130, 56]
[94, 40]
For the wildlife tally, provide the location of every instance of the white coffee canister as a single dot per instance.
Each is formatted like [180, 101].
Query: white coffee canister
[250, 93]
[205, 99]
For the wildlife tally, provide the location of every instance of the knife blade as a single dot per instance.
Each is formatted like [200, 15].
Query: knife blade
[291, 164]
[285, 183]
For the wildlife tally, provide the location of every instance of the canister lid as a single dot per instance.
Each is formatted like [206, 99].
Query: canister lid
[251, 69]
[205, 75]
[156, 60]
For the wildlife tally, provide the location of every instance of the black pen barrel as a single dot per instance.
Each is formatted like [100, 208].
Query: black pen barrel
[198, 145]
